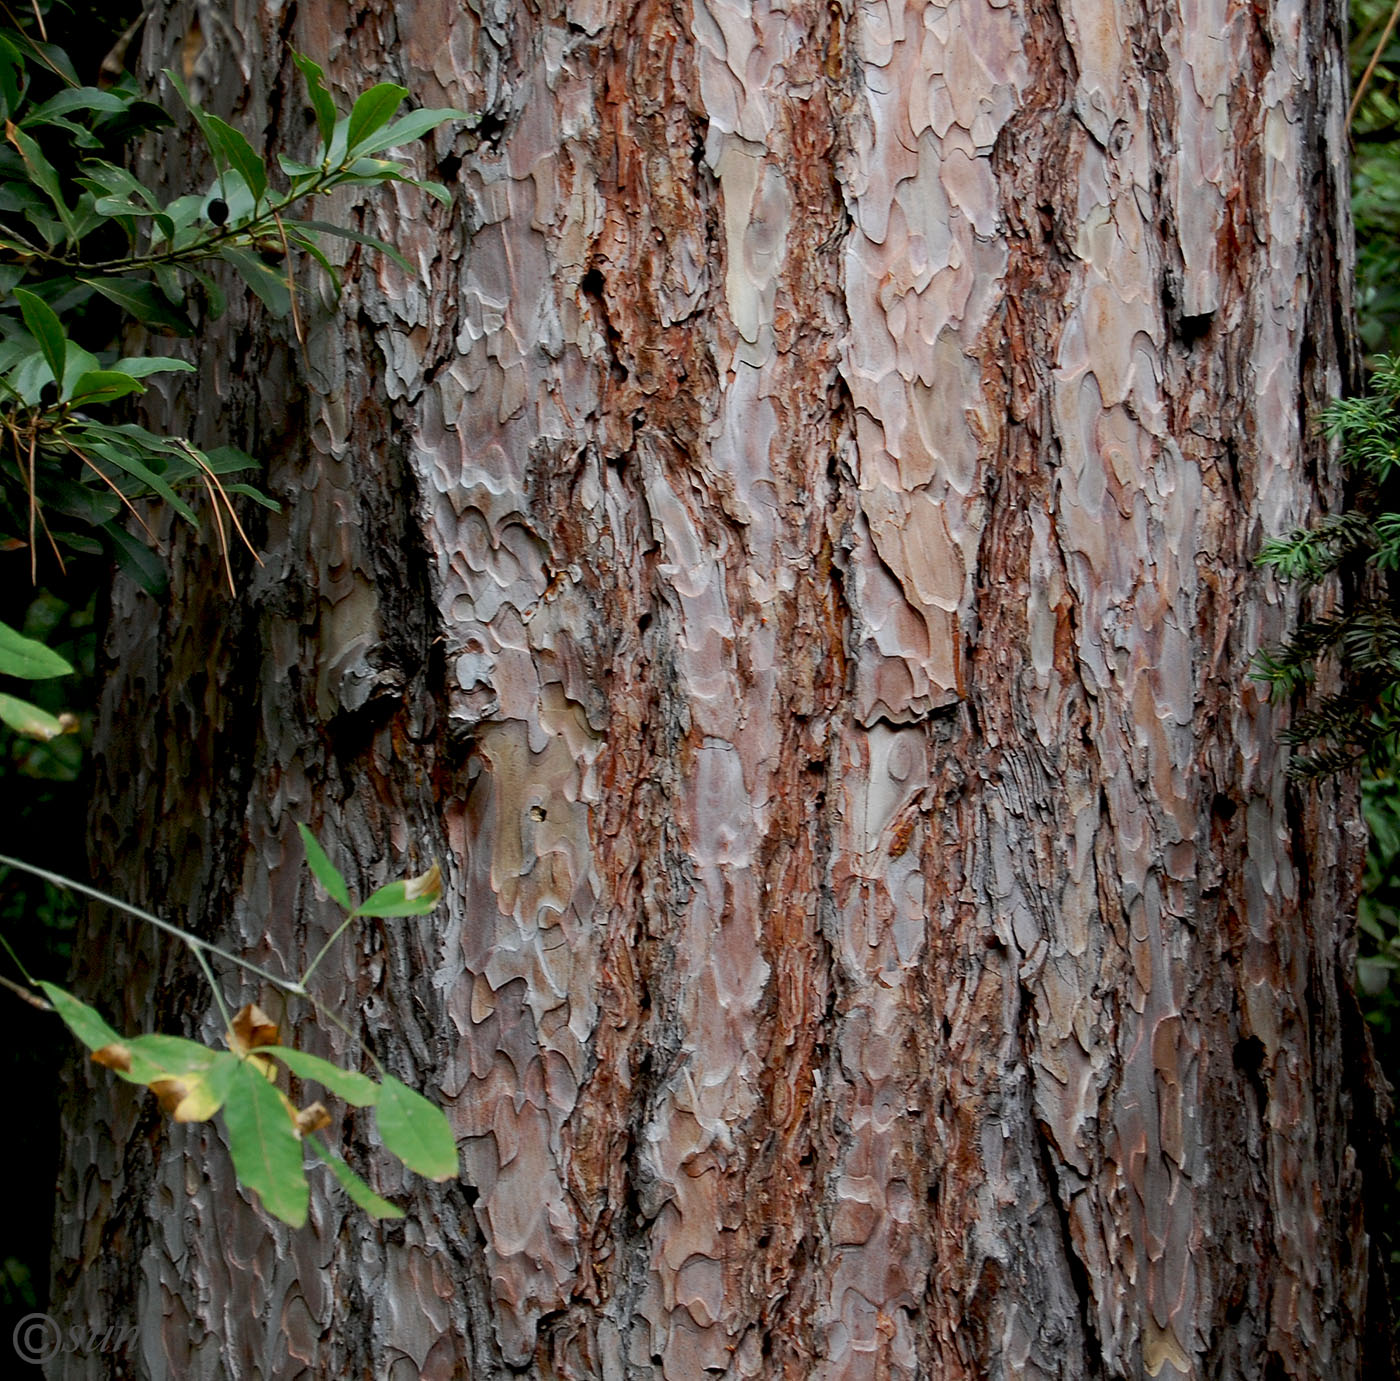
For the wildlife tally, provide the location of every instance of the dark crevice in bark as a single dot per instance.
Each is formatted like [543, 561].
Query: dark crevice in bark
[1059, 1195]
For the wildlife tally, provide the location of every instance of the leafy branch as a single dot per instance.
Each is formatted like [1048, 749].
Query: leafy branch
[1361, 721]
[73, 474]
[266, 1130]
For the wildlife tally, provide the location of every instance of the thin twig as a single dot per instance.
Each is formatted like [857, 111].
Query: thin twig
[20, 991]
[1371, 66]
[33, 511]
[73, 885]
[213, 987]
[321, 954]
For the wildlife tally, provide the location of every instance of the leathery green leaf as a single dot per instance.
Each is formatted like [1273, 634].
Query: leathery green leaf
[353, 1185]
[327, 874]
[267, 1155]
[356, 1089]
[415, 1131]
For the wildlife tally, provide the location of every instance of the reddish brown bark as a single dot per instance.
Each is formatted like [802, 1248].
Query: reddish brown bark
[787, 550]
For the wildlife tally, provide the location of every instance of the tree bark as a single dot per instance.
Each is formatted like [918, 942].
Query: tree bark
[786, 548]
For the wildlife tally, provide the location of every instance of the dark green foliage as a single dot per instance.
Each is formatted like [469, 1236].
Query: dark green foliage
[85, 250]
[1376, 177]
[1359, 722]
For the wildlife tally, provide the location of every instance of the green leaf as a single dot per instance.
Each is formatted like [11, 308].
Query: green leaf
[257, 496]
[321, 101]
[353, 1185]
[142, 301]
[77, 363]
[267, 1155]
[228, 460]
[11, 73]
[374, 109]
[435, 190]
[294, 168]
[269, 285]
[326, 873]
[414, 126]
[100, 176]
[200, 118]
[77, 98]
[137, 561]
[405, 897]
[41, 171]
[175, 1054]
[307, 244]
[240, 155]
[28, 719]
[142, 366]
[415, 1131]
[55, 58]
[83, 1021]
[132, 464]
[356, 1089]
[45, 327]
[359, 237]
[26, 658]
[103, 385]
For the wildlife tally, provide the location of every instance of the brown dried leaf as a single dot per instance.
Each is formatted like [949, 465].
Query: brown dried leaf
[252, 1027]
[311, 1119]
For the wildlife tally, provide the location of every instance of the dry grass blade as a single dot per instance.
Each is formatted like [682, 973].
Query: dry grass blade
[291, 286]
[223, 536]
[108, 481]
[210, 478]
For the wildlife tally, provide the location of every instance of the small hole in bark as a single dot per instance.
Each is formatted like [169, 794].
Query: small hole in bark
[490, 127]
[1191, 329]
[643, 623]
[1222, 807]
[764, 1238]
[593, 283]
[538, 813]
[449, 167]
[470, 1193]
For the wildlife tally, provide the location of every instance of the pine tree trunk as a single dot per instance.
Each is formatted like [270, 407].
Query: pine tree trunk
[786, 548]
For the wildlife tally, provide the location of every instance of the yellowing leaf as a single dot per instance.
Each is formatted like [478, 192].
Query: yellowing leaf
[187, 1098]
[30, 720]
[116, 1056]
[428, 887]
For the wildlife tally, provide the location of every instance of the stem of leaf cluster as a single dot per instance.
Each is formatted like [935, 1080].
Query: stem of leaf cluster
[321, 953]
[193, 941]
